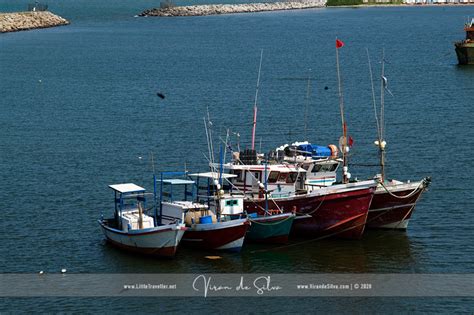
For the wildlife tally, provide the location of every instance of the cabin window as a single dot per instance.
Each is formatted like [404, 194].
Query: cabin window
[325, 168]
[292, 177]
[328, 167]
[272, 178]
[238, 173]
[231, 203]
[282, 177]
[317, 168]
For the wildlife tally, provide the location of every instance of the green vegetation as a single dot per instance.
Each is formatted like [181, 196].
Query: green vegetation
[335, 3]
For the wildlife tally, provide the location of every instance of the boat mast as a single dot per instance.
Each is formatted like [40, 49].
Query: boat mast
[343, 142]
[255, 103]
[379, 142]
[266, 187]
[382, 143]
[308, 92]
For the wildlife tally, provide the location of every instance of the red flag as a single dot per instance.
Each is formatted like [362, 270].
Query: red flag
[339, 43]
[350, 141]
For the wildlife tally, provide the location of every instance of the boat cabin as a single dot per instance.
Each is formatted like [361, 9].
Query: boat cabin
[469, 28]
[320, 173]
[201, 203]
[281, 179]
[130, 202]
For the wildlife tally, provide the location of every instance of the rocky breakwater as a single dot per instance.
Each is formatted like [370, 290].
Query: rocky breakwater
[20, 21]
[212, 9]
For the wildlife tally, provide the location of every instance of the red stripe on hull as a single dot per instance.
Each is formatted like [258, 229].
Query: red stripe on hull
[339, 214]
[159, 252]
[213, 239]
[386, 209]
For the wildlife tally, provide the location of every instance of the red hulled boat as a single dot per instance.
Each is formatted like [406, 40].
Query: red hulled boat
[206, 226]
[340, 210]
[394, 203]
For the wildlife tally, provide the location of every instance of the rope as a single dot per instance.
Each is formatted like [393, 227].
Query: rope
[268, 223]
[317, 208]
[425, 182]
[308, 241]
[422, 185]
[411, 209]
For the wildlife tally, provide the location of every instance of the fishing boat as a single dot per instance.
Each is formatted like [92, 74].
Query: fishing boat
[133, 230]
[465, 48]
[208, 227]
[394, 201]
[337, 210]
[271, 226]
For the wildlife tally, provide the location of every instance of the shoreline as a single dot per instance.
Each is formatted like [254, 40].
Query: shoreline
[23, 21]
[217, 9]
[414, 5]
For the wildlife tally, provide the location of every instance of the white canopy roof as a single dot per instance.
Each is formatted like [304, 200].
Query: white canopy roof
[127, 188]
[177, 181]
[213, 175]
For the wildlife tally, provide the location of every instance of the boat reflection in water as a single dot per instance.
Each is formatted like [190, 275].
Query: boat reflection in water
[379, 251]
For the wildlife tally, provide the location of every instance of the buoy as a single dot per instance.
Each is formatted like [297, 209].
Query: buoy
[63, 270]
[326, 88]
[41, 272]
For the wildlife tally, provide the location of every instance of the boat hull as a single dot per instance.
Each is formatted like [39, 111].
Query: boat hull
[390, 212]
[161, 241]
[228, 235]
[273, 229]
[465, 53]
[338, 210]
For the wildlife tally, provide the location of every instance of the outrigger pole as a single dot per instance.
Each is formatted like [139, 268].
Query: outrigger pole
[255, 103]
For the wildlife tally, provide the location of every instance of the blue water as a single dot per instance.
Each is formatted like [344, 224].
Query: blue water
[79, 111]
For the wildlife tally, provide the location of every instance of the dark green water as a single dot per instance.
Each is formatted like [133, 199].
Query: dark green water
[79, 107]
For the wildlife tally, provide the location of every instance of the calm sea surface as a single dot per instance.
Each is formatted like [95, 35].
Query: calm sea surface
[79, 111]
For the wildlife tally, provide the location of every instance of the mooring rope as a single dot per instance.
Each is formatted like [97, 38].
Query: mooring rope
[412, 208]
[335, 233]
[269, 223]
[308, 241]
[317, 208]
[422, 185]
